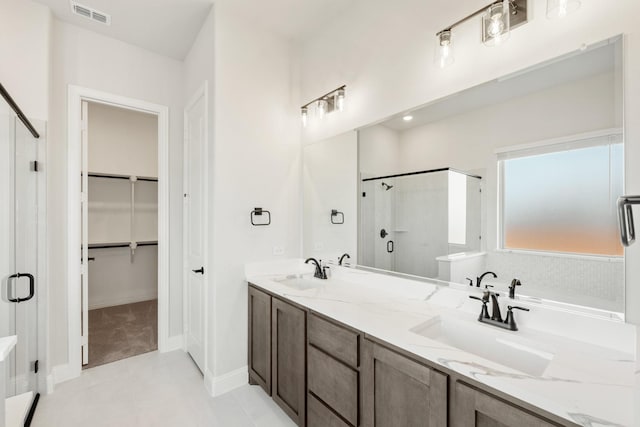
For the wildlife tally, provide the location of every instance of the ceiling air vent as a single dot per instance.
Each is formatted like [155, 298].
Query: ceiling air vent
[90, 13]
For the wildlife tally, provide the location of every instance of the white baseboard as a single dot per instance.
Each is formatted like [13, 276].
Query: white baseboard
[225, 383]
[145, 295]
[60, 374]
[49, 384]
[173, 343]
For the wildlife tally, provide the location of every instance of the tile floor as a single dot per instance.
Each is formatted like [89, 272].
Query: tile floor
[156, 390]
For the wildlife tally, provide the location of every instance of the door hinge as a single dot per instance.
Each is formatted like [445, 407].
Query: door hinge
[84, 125]
[36, 366]
[34, 166]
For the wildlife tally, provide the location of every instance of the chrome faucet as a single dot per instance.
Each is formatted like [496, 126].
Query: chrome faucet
[320, 272]
[343, 257]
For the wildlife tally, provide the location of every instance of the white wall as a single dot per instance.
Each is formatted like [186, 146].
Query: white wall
[256, 164]
[122, 142]
[379, 151]
[330, 180]
[25, 28]
[86, 59]
[254, 161]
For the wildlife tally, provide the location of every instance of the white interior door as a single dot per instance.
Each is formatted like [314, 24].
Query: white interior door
[84, 268]
[195, 226]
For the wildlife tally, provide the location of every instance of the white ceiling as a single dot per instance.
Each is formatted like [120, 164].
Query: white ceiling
[169, 27]
[576, 66]
[294, 19]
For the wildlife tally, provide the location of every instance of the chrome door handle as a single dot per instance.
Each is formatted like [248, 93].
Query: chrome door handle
[625, 218]
[32, 287]
[200, 270]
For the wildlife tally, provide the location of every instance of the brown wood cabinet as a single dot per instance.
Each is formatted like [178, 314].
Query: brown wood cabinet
[398, 391]
[475, 408]
[288, 353]
[325, 374]
[260, 339]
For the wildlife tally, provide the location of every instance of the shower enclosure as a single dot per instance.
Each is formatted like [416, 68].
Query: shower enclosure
[409, 220]
[21, 187]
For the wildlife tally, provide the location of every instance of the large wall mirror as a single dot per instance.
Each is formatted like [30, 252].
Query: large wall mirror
[518, 176]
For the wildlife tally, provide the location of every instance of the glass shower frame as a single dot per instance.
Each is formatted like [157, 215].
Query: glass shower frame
[21, 266]
[409, 220]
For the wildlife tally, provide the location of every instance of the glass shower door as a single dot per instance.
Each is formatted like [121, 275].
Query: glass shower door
[18, 250]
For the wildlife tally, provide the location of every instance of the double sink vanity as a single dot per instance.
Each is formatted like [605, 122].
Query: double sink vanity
[362, 349]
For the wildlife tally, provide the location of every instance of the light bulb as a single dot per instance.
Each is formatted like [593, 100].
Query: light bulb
[304, 116]
[322, 108]
[340, 100]
[495, 23]
[444, 49]
[561, 8]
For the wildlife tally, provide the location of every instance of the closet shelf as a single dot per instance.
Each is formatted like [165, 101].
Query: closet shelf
[115, 176]
[121, 244]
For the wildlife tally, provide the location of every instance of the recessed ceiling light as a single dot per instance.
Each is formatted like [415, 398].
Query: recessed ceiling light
[407, 118]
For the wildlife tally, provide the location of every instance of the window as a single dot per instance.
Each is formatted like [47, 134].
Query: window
[563, 198]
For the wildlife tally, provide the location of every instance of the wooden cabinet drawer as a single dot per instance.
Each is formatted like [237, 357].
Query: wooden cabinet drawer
[318, 415]
[334, 383]
[475, 408]
[339, 342]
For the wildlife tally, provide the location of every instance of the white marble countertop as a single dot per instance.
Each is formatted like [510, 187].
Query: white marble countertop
[587, 374]
[6, 345]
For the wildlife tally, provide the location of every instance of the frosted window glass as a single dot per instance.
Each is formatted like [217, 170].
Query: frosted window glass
[564, 201]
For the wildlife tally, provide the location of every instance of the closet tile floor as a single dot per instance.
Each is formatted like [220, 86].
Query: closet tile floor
[155, 390]
[122, 331]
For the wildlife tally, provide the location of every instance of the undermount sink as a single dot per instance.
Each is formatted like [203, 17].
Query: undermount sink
[509, 349]
[301, 282]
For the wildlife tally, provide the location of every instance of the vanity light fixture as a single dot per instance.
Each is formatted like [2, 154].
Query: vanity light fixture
[498, 19]
[561, 8]
[321, 107]
[340, 99]
[444, 48]
[328, 103]
[496, 23]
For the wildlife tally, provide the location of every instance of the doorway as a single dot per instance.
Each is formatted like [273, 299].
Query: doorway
[121, 235]
[131, 232]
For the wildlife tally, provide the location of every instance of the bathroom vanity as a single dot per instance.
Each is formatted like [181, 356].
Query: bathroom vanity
[365, 349]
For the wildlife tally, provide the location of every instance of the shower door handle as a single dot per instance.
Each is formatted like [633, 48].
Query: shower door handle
[390, 246]
[625, 219]
[32, 287]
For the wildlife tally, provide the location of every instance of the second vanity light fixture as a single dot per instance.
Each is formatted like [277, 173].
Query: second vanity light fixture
[332, 101]
[498, 19]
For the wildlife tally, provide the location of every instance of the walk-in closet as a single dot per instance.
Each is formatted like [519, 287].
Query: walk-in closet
[120, 233]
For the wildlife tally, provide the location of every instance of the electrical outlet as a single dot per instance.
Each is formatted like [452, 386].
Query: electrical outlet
[318, 246]
[278, 250]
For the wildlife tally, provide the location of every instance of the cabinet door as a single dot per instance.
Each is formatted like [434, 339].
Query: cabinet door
[260, 339]
[400, 392]
[477, 409]
[288, 357]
